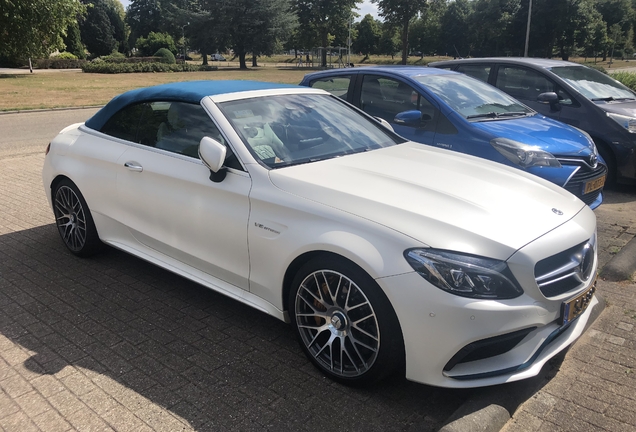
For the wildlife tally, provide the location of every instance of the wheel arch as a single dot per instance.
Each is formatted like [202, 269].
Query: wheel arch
[606, 151]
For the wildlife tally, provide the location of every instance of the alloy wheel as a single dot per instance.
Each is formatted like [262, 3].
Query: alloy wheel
[70, 218]
[337, 323]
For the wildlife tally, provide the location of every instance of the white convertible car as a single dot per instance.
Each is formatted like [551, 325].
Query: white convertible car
[385, 255]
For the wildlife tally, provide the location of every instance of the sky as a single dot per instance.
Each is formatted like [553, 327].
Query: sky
[366, 7]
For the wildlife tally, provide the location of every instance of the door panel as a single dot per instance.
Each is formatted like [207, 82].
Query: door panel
[172, 206]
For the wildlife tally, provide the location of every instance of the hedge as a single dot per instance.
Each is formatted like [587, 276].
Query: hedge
[114, 68]
[626, 78]
[57, 63]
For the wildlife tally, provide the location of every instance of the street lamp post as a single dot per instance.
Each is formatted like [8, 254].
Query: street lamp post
[525, 51]
[184, 43]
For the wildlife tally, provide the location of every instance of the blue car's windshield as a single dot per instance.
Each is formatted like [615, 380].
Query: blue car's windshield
[593, 84]
[472, 98]
[293, 129]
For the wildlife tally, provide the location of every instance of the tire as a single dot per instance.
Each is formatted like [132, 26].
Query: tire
[344, 322]
[74, 221]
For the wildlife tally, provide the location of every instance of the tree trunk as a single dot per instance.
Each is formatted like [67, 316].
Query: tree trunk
[205, 59]
[242, 64]
[405, 40]
[254, 64]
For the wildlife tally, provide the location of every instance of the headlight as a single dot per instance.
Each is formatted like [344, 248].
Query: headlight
[524, 155]
[629, 123]
[464, 275]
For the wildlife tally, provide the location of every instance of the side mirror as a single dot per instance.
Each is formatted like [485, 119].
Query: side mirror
[549, 98]
[212, 154]
[412, 118]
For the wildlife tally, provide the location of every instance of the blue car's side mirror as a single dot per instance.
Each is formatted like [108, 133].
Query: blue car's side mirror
[413, 118]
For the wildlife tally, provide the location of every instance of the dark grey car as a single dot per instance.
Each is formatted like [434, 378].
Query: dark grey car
[572, 93]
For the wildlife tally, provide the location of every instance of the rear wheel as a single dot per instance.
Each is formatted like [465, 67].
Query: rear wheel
[74, 221]
[344, 322]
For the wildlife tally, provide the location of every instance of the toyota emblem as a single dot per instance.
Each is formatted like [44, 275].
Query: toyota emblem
[556, 211]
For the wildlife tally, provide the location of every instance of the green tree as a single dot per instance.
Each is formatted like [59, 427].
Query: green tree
[35, 28]
[155, 41]
[455, 29]
[116, 16]
[322, 20]
[98, 33]
[369, 33]
[73, 41]
[389, 40]
[401, 13]
[143, 17]
[491, 23]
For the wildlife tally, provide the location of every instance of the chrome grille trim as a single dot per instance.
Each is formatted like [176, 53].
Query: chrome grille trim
[567, 270]
[576, 183]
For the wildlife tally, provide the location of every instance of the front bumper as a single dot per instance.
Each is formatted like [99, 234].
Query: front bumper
[436, 325]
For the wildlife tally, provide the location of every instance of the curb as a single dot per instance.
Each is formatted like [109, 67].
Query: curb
[623, 265]
[490, 408]
[49, 109]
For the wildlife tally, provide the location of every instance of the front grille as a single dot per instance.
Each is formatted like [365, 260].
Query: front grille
[566, 270]
[576, 184]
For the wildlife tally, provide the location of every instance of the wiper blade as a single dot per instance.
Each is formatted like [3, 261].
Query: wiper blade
[513, 114]
[606, 99]
[493, 114]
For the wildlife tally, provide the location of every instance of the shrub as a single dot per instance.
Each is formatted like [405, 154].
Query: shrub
[151, 44]
[114, 68]
[597, 67]
[626, 78]
[165, 56]
[114, 57]
[65, 56]
[57, 63]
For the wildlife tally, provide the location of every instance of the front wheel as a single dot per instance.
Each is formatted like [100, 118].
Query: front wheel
[74, 221]
[344, 322]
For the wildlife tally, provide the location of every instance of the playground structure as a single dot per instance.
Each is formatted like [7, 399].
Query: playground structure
[337, 57]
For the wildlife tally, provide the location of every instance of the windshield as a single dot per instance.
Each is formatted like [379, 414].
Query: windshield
[293, 129]
[592, 83]
[472, 98]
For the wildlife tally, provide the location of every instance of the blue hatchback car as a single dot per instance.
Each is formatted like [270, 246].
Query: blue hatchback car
[454, 111]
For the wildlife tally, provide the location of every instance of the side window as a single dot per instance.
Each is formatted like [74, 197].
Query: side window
[523, 83]
[173, 126]
[385, 98]
[337, 86]
[479, 72]
[124, 124]
[182, 128]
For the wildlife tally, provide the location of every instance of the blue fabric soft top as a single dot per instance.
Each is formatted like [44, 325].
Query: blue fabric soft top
[189, 91]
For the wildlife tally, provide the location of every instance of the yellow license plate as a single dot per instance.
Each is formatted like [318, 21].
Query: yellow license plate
[593, 185]
[571, 309]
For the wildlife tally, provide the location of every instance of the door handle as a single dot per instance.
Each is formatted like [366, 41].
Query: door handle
[134, 166]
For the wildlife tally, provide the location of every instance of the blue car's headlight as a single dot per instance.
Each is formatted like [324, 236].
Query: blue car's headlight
[464, 275]
[524, 155]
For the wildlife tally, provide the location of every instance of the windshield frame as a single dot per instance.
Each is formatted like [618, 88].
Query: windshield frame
[477, 89]
[365, 123]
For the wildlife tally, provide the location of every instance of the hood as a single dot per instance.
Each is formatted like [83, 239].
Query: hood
[441, 198]
[550, 135]
[627, 108]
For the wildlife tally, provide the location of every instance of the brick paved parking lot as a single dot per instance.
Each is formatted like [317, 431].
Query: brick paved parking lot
[114, 343]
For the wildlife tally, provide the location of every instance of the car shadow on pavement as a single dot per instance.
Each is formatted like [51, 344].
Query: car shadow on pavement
[127, 325]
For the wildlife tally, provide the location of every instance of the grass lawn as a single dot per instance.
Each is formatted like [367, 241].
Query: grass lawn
[75, 89]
